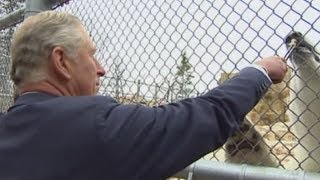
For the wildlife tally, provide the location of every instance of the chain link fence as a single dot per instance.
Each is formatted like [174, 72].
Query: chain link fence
[161, 51]
[6, 86]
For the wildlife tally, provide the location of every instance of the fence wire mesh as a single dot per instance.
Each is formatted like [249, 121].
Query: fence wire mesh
[6, 86]
[157, 52]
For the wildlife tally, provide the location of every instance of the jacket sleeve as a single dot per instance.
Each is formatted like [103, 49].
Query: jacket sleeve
[157, 142]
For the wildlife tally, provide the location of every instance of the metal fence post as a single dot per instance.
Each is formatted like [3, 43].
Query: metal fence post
[36, 6]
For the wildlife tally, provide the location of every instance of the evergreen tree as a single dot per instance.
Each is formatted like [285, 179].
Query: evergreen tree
[116, 71]
[182, 85]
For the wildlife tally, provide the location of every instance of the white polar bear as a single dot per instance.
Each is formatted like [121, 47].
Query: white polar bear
[304, 104]
[248, 146]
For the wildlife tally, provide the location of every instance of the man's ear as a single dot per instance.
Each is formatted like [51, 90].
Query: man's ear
[60, 63]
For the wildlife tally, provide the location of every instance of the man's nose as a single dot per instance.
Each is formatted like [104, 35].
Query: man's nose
[100, 70]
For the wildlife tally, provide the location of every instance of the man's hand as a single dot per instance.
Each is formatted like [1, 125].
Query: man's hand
[275, 66]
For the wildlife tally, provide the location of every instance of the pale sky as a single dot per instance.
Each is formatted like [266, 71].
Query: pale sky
[147, 37]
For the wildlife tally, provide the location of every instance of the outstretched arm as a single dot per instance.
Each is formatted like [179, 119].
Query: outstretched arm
[159, 141]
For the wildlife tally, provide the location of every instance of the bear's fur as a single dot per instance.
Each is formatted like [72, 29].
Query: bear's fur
[304, 104]
[248, 146]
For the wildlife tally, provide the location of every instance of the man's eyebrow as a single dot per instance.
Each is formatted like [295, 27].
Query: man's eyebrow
[93, 49]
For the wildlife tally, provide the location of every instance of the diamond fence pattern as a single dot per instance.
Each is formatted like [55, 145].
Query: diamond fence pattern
[6, 86]
[161, 51]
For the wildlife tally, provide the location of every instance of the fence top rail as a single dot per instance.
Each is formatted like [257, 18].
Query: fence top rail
[12, 18]
[31, 7]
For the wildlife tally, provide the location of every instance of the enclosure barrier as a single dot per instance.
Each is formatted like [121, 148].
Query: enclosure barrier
[209, 170]
[255, 44]
[33, 7]
[12, 18]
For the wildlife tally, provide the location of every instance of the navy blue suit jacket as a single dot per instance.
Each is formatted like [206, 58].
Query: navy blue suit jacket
[45, 137]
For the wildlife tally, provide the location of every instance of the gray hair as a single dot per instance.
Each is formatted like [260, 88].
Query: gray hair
[34, 40]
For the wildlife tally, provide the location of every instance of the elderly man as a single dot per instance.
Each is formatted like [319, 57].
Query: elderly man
[59, 129]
